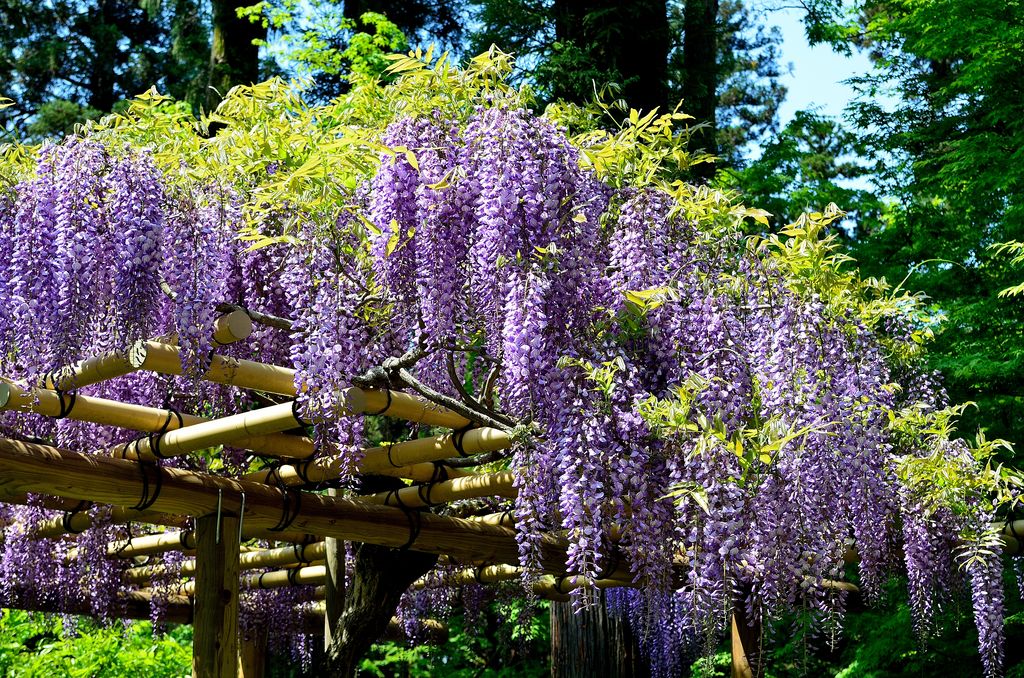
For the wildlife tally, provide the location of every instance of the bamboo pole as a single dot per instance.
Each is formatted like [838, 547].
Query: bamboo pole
[79, 521]
[264, 421]
[225, 430]
[279, 557]
[215, 623]
[155, 544]
[227, 329]
[26, 467]
[164, 359]
[139, 418]
[417, 496]
[395, 459]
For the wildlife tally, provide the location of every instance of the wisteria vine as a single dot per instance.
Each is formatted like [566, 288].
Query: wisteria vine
[709, 410]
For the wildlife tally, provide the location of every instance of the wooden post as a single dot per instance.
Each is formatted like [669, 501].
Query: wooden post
[215, 626]
[334, 586]
[252, 655]
[746, 643]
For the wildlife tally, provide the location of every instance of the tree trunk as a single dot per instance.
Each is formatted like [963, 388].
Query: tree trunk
[700, 81]
[234, 59]
[381, 577]
[643, 54]
[105, 35]
[631, 38]
[593, 643]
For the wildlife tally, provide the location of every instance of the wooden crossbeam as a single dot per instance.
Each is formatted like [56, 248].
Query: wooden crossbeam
[26, 467]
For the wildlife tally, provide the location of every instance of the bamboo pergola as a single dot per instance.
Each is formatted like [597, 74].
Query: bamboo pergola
[210, 517]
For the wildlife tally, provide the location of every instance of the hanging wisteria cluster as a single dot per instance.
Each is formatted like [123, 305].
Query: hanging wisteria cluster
[708, 410]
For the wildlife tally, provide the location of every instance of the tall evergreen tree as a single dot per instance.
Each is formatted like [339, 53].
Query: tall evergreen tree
[712, 54]
[943, 110]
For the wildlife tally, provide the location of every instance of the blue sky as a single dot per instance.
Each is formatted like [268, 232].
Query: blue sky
[818, 72]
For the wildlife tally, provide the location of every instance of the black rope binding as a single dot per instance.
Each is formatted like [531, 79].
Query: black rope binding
[415, 524]
[302, 470]
[290, 507]
[293, 576]
[390, 460]
[66, 404]
[425, 498]
[154, 437]
[147, 499]
[458, 436]
[298, 417]
[398, 499]
[558, 584]
[65, 520]
[440, 473]
[387, 404]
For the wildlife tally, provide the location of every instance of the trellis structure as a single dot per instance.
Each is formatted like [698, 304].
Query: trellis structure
[708, 417]
[281, 504]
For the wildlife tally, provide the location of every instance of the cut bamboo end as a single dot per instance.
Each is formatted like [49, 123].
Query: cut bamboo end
[94, 370]
[228, 329]
[232, 327]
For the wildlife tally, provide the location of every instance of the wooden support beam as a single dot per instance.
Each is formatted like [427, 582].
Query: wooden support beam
[215, 633]
[26, 467]
[252, 654]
